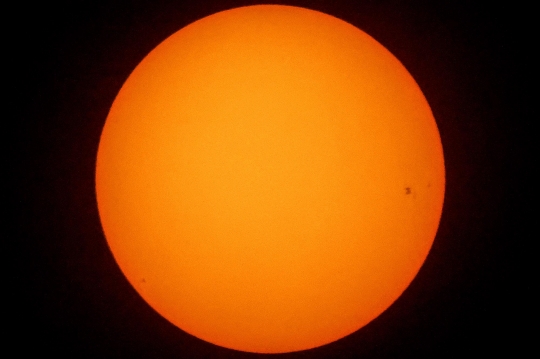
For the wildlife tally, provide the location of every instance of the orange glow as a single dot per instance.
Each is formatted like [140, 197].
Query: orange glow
[270, 179]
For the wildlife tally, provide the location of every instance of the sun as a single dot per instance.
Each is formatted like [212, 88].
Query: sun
[270, 179]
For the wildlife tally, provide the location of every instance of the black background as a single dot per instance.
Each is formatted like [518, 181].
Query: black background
[470, 297]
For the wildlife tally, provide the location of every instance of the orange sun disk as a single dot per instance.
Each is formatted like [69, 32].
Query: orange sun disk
[270, 179]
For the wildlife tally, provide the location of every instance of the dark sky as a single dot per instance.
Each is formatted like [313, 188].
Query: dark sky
[470, 297]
